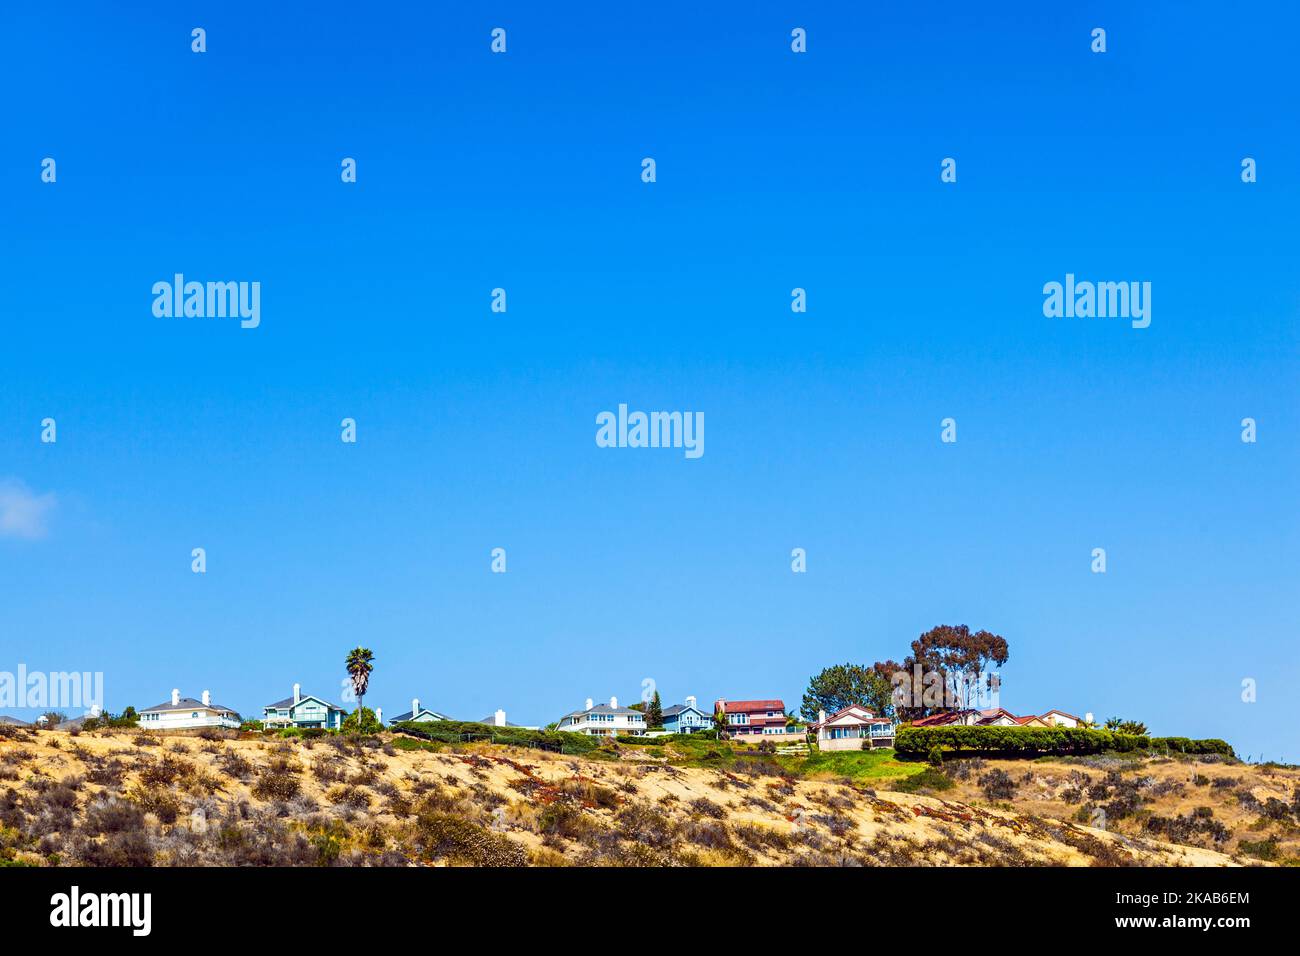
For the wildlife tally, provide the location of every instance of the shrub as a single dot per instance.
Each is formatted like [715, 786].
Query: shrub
[707, 808]
[998, 785]
[445, 835]
[346, 795]
[277, 781]
[127, 848]
[113, 816]
[159, 801]
[1266, 850]
[565, 820]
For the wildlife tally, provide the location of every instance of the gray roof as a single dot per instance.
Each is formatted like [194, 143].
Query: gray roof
[605, 709]
[676, 709]
[288, 702]
[490, 720]
[186, 703]
[424, 710]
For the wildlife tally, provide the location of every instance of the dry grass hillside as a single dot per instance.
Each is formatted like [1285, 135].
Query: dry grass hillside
[121, 797]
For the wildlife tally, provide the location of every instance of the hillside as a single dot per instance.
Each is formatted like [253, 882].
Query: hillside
[128, 798]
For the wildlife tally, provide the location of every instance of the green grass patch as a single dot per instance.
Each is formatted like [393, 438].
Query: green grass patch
[929, 778]
[860, 766]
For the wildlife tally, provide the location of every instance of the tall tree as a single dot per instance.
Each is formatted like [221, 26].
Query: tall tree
[360, 664]
[958, 658]
[843, 685]
[654, 712]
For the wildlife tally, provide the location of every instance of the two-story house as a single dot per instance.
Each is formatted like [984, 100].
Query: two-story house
[181, 713]
[603, 720]
[753, 717]
[303, 711]
[686, 718]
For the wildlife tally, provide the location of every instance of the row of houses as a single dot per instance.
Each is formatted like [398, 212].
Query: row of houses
[851, 728]
[998, 717]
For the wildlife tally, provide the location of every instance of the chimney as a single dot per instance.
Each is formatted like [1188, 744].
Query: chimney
[690, 701]
[207, 699]
[176, 697]
[590, 703]
[499, 718]
[379, 716]
[613, 702]
[821, 716]
[297, 694]
[415, 707]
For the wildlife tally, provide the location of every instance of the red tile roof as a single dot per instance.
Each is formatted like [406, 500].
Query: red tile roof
[749, 706]
[940, 719]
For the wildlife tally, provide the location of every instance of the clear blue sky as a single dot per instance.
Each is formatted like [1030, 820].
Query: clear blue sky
[476, 430]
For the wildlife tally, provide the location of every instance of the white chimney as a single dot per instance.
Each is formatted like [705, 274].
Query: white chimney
[590, 703]
[297, 694]
[499, 718]
[415, 707]
[379, 716]
[176, 697]
[207, 699]
[821, 716]
[690, 701]
[613, 702]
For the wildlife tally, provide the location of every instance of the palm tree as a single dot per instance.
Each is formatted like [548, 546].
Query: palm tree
[359, 665]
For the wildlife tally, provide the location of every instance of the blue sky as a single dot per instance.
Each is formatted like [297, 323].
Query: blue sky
[476, 430]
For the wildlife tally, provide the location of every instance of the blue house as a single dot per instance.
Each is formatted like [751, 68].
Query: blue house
[686, 718]
[304, 711]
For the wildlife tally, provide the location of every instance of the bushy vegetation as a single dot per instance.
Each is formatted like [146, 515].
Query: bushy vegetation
[457, 731]
[921, 741]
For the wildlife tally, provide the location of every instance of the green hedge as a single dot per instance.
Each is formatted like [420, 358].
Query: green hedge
[459, 731]
[1044, 740]
[1209, 745]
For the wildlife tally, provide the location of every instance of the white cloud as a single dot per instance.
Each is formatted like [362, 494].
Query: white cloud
[22, 512]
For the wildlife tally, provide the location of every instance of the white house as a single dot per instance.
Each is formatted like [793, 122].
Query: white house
[1059, 718]
[603, 720]
[853, 728]
[183, 712]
